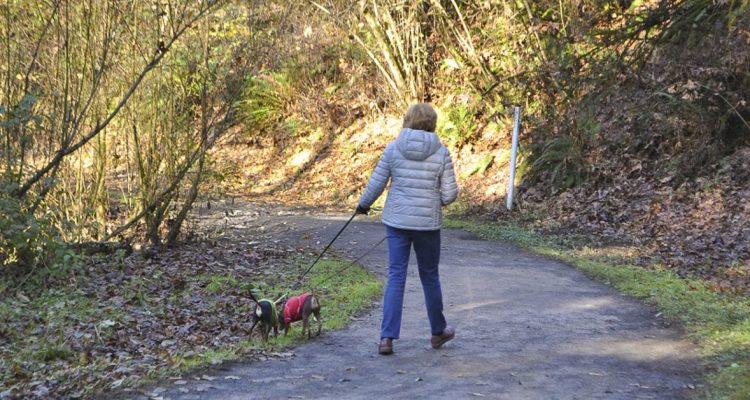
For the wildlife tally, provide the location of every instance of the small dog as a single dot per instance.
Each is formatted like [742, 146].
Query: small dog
[265, 314]
[297, 308]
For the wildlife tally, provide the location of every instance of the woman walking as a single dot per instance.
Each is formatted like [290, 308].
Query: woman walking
[422, 181]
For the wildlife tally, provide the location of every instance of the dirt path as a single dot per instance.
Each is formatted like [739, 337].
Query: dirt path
[527, 328]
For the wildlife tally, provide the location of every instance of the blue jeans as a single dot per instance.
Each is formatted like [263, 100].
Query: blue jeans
[427, 247]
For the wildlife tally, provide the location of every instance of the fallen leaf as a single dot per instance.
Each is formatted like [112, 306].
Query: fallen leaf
[107, 323]
[158, 391]
[117, 383]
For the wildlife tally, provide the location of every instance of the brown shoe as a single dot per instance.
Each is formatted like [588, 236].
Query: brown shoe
[439, 340]
[386, 346]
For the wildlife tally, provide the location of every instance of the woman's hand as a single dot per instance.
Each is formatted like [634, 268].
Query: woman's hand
[362, 210]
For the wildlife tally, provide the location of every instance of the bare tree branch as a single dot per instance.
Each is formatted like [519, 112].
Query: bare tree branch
[66, 150]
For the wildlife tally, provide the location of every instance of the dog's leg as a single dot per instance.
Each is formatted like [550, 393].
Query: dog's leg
[250, 334]
[320, 321]
[314, 310]
[305, 325]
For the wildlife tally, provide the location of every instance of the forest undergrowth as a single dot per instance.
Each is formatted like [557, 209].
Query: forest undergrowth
[119, 121]
[121, 321]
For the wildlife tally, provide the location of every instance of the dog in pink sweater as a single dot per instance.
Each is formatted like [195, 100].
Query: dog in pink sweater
[298, 308]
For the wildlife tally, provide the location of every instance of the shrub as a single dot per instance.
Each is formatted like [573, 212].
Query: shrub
[264, 103]
[26, 240]
[561, 159]
[457, 125]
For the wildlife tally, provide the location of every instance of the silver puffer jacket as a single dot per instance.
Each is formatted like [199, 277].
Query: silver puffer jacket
[422, 180]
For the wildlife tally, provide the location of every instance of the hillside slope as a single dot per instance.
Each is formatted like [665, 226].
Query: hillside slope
[651, 157]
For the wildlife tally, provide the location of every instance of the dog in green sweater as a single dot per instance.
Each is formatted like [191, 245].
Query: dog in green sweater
[266, 316]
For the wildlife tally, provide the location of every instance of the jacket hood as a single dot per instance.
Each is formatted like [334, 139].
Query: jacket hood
[417, 145]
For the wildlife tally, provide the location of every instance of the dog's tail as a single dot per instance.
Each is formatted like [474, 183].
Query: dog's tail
[252, 297]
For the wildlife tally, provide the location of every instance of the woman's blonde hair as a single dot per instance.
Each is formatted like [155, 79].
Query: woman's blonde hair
[421, 116]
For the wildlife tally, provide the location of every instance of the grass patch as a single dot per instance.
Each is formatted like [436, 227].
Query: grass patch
[719, 323]
[344, 291]
[218, 283]
[188, 363]
[62, 333]
[34, 333]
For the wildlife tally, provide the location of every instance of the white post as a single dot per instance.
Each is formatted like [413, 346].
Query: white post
[513, 151]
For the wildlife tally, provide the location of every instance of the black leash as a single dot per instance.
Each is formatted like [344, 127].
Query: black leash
[299, 280]
[354, 262]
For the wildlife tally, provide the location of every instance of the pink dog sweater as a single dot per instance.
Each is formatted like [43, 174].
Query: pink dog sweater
[293, 308]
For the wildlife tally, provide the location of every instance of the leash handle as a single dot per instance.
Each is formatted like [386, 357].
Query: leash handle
[326, 248]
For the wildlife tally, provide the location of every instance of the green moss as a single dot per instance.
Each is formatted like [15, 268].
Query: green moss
[219, 282]
[53, 351]
[719, 323]
[208, 357]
